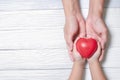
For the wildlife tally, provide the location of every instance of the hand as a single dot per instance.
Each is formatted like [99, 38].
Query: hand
[78, 65]
[96, 55]
[97, 28]
[95, 24]
[95, 67]
[77, 56]
[74, 25]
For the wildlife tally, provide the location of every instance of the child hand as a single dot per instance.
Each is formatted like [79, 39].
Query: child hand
[96, 55]
[77, 56]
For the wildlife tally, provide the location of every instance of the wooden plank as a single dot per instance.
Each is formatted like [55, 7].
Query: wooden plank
[13, 5]
[34, 59]
[32, 39]
[43, 38]
[30, 19]
[48, 59]
[45, 18]
[52, 74]
[36, 75]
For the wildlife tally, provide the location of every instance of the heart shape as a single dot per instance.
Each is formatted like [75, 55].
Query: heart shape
[86, 47]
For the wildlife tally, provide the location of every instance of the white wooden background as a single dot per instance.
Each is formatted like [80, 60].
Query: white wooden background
[32, 45]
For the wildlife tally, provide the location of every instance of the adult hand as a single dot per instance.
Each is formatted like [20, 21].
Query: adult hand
[97, 28]
[74, 26]
[74, 23]
[95, 24]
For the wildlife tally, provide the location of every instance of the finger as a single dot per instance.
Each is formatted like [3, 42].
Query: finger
[76, 56]
[103, 44]
[104, 39]
[70, 48]
[101, 56]
[69, 42]
[71, 56]
[82, 28]
[99, 47]
[75, 52]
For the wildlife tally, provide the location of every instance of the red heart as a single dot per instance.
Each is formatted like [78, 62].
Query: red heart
[86, 47]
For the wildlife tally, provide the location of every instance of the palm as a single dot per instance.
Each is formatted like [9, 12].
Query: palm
[98, 30]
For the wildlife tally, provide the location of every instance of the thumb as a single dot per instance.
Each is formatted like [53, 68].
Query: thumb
[69, 42]
[104, 38]
[101, 56]
[70, 49]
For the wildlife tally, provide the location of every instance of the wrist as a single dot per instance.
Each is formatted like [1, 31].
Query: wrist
[96, 13]
[93, 62]
[93, 18]
[71, 7]
[80, 63]
[74, 13]
[96, 8]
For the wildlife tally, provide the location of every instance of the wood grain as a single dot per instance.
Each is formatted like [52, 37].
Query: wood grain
[48, 59]
[32, 45]
[63, 74]
[43, 38]
[13, 5]
[48, 18]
